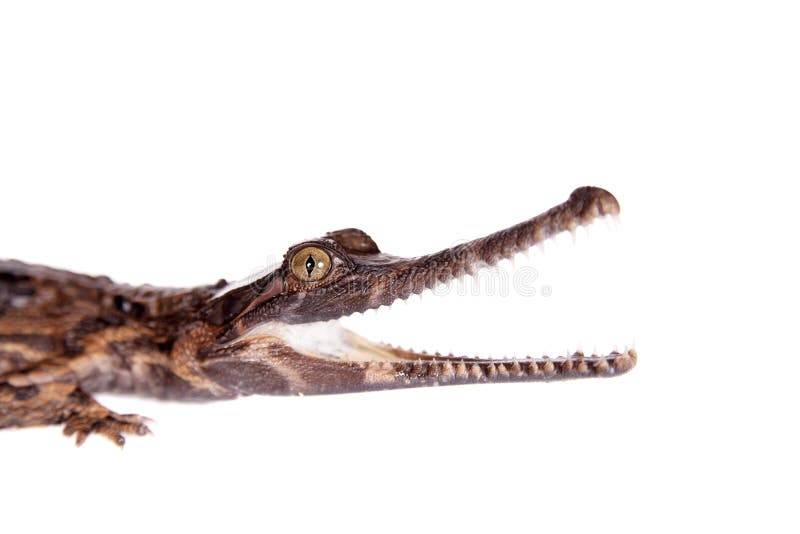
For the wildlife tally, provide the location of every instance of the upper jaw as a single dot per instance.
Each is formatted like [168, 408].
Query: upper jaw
[398, 278]
[379, 279]
[375, 279]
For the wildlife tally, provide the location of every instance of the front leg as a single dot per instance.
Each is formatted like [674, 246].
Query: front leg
[64, 403]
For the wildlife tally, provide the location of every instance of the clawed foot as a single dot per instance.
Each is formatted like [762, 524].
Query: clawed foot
[62, 402]
[112, 426]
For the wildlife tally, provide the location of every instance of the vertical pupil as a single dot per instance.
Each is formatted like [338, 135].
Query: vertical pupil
[310, 264]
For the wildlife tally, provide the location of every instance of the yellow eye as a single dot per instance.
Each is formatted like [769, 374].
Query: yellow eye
[310, 264]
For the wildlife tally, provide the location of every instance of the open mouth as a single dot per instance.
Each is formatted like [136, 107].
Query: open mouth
[377, 285]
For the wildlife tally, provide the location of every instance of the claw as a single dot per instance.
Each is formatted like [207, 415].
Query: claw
[112, 426]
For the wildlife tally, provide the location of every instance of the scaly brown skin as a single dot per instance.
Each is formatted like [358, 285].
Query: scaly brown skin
[64, 336]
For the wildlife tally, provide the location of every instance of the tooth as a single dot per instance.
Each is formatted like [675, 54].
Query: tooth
[610, 222]
[502, 371]
[475, 371]
[539, 234]
[624, 362]
[461, 370]
[491, 370]
[447, 370]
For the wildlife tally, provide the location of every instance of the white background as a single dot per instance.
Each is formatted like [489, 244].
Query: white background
[179, 142]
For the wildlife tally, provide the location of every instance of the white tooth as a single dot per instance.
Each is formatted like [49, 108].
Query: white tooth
[462, 288]
[444, 290]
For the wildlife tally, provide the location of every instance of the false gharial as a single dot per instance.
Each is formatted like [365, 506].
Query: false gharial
[65, 336]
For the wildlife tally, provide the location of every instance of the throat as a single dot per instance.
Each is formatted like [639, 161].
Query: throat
[322, 339]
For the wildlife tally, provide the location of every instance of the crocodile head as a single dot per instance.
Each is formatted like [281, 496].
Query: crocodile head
[280, 333]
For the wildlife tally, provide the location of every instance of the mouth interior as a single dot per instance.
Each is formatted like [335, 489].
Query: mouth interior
[567, 296]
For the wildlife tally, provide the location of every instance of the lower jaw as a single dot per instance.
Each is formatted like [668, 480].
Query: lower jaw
[384, 364]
